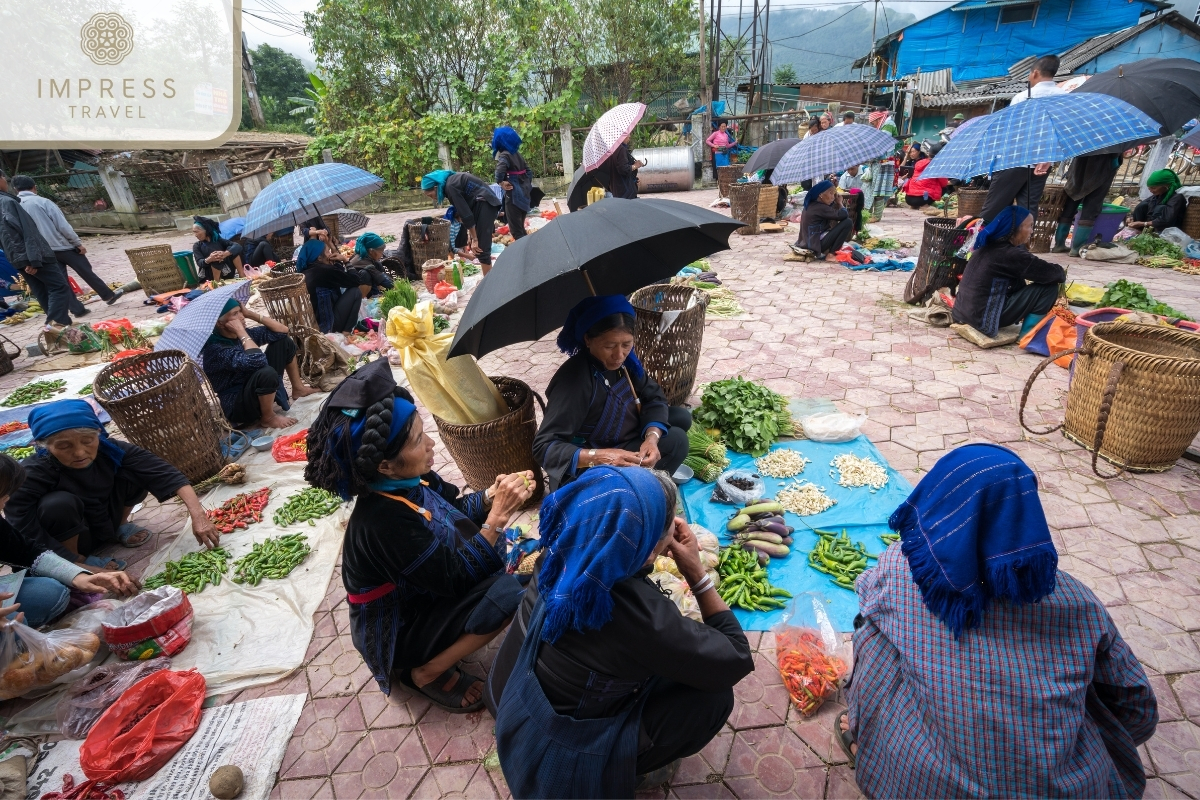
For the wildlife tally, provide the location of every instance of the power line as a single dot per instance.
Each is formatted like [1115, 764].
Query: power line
[826, 25]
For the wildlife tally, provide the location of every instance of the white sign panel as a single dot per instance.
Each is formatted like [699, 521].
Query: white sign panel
[120, 73]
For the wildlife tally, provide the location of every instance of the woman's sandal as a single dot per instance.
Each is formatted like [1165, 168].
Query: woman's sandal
[451, 700]
[103, 562]
[846, 737]
[128, 531]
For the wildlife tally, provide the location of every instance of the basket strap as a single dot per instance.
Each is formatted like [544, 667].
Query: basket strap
[541, 402]
[6, 343]
[1110, 390]
[1029, 385]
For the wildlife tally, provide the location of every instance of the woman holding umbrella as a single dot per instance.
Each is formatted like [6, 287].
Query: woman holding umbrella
[601, 406]
[475, 204]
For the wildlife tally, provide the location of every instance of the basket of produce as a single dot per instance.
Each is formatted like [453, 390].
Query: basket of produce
[281, 268]
[287, 301]
[162, 402]
[937, 260]
[670, 356]
[725, 178]
[1049, 210]
[284, 245]
[431, 272]
[743, 206]
[156, 269]
[970, 202]
[6, 357]
[430, 240]
[1134, 399]
[500, 446]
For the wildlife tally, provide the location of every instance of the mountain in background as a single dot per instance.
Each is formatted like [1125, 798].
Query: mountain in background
[821, 44]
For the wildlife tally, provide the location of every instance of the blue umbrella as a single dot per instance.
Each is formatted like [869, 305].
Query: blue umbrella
[195, 322]
[833, 150]
[232, 227]
[1041, 130]
[306, 193]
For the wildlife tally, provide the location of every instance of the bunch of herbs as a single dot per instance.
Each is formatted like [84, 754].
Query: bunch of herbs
[750, 416]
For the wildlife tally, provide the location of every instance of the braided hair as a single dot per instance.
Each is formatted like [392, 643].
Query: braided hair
[331, 464]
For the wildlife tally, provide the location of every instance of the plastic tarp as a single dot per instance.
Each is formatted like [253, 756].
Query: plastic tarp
[860, 512]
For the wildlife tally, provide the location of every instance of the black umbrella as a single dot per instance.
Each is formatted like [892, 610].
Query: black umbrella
[1166, 89]
[767, 156]
[577, 192]
[613, 246]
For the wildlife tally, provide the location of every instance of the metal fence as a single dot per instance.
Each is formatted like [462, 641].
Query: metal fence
[74, 191]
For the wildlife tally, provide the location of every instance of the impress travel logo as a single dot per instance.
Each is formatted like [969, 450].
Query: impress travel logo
[114, 73]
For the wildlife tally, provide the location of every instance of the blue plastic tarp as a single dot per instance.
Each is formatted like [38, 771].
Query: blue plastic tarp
[860, 512]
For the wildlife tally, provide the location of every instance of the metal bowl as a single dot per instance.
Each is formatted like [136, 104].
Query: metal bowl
[683, 475]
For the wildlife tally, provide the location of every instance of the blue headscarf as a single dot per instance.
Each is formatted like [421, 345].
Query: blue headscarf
[401, 411]
[817, 190]
[65, 415]
[367, 242]
[1004, 225]
[436, 179]
[587, 313]
[597, 530]
[307, 255]
[505, 138]
[973, 531]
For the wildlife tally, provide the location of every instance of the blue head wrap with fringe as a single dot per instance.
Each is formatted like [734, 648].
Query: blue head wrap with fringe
[1004, 225]
[367, 242]
[401, 411]
[597, 530]
[505, 138]
[307, 255]
[436, 179]
[973, 531]
[65, 415]
[817, 190]
[588, 312]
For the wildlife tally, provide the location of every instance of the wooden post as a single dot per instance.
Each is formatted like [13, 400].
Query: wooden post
[444, 155]
[218, 170]
[251, 79]
[568, 149]
[327, 156]
[122, 198]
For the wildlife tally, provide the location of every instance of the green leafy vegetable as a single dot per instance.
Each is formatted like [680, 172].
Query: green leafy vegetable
[749, 416]
[402, 294]
[1149, 244]
[1133, 296]
[440, 323]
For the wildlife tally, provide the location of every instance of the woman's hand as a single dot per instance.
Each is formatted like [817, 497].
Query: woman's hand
[205, 532]
[6, 610]
[510, 492]
[685, 550]
[610, 457]
[118, 583]
[473, 241]
[648, 452]
[506, 186]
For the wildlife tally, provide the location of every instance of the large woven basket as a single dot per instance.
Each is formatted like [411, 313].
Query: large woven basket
[970, 202]
[743, 206]
[284, 245]
[437, 246]
[285, 267]
[287, 301]
[768, 201]
[936, 262]
[1134, 399]
[1191, 220]
[156, 269]
[725, 178]
[1049, 209]
[335, 235]
[163, 402]
[670, 356]
[6, 358]
[499, 446]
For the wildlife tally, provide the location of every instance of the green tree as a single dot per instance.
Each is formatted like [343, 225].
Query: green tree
[280, 76]
[785, 73]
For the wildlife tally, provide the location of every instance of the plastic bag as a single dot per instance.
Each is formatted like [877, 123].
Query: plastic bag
[293, 447]
[1177, 237]
[84, 702]
[834, 426]
[140, 732]
[811, 655]
[738, 487]
[154, 623]
[32, 659]
[1192, 250]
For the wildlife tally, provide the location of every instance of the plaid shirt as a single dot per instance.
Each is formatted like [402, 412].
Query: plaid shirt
[1041, 700]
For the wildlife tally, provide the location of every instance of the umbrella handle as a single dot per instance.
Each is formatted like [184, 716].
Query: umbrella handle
[588, 278]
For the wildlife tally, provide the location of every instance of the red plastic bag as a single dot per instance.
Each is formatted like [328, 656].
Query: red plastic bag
[113, 325]
[502, 230]
[443, 290]
[293, 447]
[144, 728]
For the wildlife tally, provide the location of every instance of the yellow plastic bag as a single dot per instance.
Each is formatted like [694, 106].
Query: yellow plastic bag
[1081, 293]
[455, 390]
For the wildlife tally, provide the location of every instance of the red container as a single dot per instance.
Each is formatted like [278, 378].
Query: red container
[432, 276]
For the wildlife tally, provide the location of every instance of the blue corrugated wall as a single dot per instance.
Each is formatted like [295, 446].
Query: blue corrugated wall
[1163, 41]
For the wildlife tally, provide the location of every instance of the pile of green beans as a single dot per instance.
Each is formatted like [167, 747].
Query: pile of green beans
[274, 558]
[744, 582]
[20, 452]
[34, 392]
[308, 505]
[838, 557]
[889, 538]
[192, 572]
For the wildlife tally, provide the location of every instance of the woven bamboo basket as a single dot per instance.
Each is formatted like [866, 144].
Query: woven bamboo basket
[743, 206]
[725, 178]
[281, 268]
[287, 300]
[499, 446]
[670, 357]
[936, 262]
[970, 202]
[6, 358]
[437, 246]
[163, 402]
[284, 246]
[1191, 220]
[335, 235]
[768, 201]
[1134, 400]
[156, 269]
[1051, 205]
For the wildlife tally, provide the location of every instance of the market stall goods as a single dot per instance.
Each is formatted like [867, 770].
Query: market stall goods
[306, 506]
[36, 659]
[34, 392]
[760, 529]
[810, 673]
[240, 511]
[193, 572]
[275, 558]
[782, 463]
[706, 456]
[852, 472]
[804, 498]
[839, 558]
[744, 582]
[749, 415]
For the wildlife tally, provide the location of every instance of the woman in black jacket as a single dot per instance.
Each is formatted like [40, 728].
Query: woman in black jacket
[216, 258]
[514, 177]
[475, 205]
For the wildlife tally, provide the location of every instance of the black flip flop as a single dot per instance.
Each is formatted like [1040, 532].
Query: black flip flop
[845, 737]
[450, 701]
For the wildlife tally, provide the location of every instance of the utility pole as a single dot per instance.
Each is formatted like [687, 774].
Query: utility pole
[704, 95]
[716, 73]
[766, 64]
[871, 63]
[754, 76]
[251, 80]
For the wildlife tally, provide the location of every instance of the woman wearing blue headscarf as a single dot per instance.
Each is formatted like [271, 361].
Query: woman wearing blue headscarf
[1004, 283]
[423, 567]
[323, 269]
[980, 669]
[604, 680]
[825, 224]
[513, 175]
[368, 262]
[601, 406]
[475, 205]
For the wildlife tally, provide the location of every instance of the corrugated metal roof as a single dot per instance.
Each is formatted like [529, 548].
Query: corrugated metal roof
[1082, 53]
[971, 5]
[997, 91]
[932, 82]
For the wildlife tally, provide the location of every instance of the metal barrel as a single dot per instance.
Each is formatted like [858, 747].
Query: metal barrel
[668, 169]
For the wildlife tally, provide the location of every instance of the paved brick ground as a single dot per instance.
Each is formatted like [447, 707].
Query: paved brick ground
[814, 330]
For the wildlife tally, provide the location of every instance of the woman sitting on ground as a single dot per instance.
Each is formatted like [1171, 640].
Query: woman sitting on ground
[475, 205]
[248, 380]
[46, 588]
[606, 680]
[258, 251]
[367, 262]
[423, 566]
[81, 486]
[993, 293]
[919, 191]
[1165, 207]
[825, 224]
[601, 406]
[323, 269]
[216, 258]
[980, 670]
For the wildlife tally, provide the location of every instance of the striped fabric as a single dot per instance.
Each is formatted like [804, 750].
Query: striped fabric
[306, 193]
[1041, 130]
[609, 131]
[833, 150]
[1043, 700]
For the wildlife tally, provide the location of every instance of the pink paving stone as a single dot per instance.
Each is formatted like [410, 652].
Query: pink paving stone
[702, 791]
[708, 763]
[840, 784]
[1156, 643]
[1159, 789]
[308, 789]
[1187, 689]
[1175, 749]
[817, 731]
[458, 781]
[1168, 707]
[456, 737]
[760, 698]
[773, 762]
[321, 739]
